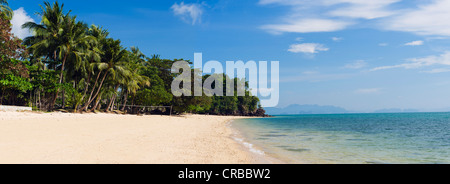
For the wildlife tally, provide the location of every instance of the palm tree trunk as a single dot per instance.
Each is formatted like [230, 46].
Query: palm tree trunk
[60, 82]
[87, 86]
[40, 104]
[96, 103]
[63, 99]
[110, 103]
[98, 90]
[85, 91]
[113, 98]
[125, 101]
[85, 107]
[100, 86]
[1, 98]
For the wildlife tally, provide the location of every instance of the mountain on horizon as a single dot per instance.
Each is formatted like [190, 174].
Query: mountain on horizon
[305, 109]
[318, 109]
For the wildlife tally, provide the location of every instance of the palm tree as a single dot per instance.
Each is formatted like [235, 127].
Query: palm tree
[93, 55]
[133, 84]
[46, 36]
[4, 8]
[58, 36]
[113, 64]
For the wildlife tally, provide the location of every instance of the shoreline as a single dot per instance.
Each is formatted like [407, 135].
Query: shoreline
[65, 138]
[260, 156]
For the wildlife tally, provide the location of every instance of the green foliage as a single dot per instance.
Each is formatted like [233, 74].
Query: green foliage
[45, 80]
[76, 66]
[18, 83]
[154, 96]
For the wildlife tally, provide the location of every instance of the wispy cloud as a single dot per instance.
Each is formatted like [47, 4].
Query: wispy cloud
[414, 43]
[368, 91]
[356, 65]
[383, 44]
[190, 13]
[308, 48]
[429, 19]
[337, 39]
[437, 70]
[326, 15]
[423, 17]
[307, 26]
[362, 9]
[414, 63]
[299, 39]
[20, 17]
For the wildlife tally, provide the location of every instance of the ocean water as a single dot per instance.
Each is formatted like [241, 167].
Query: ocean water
[405, 138]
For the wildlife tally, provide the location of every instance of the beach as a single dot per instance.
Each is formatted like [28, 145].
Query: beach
[64, 138]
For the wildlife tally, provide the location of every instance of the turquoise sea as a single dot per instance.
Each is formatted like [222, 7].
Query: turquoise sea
[405, 138]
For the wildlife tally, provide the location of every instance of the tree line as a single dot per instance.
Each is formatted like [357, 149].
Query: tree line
[67, 64]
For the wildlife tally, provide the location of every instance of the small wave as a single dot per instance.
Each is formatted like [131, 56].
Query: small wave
[288, 148]
[273, 135]
[284, 147]
[249, 146]
[375, 162]
[237, 137]
[356, 139]
[297, 150]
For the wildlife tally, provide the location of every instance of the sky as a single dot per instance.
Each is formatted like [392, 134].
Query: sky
[357, 54]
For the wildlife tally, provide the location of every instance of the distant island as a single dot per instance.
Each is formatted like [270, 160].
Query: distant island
[306, 109]
[318, 109]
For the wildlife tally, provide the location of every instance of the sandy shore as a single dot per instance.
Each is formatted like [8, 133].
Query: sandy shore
[56, 138]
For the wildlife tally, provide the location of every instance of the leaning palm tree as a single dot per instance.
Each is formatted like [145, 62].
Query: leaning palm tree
[73, 42]
[93, 56]
[113, 64]
[136, 62]
[4, 8]
[117, 79]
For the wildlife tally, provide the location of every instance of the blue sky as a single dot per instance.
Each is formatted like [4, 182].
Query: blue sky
[358, 54]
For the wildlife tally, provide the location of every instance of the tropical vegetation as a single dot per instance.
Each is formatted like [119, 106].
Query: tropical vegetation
[71, 66]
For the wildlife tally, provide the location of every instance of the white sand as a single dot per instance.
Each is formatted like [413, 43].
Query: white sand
[56, 138]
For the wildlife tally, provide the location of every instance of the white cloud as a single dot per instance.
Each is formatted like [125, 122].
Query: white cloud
[356, 65]
[383, 44]
[326, 15]
[20, 17]
[429, 19]
[308, 48]
[191, 13]
[368, 91]
[285, 2]
[363, 9]
[414, 63]
[415, 43]
[337, 39]
[437, 70]
[299, 39]
[307, 26]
